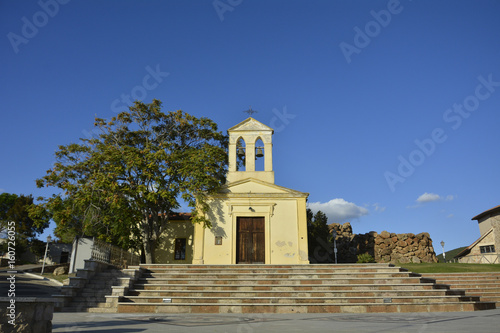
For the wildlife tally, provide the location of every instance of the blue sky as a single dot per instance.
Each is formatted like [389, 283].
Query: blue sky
[386, 112]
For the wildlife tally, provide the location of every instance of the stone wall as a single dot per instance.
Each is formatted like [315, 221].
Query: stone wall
[383, 247]
[26, 315]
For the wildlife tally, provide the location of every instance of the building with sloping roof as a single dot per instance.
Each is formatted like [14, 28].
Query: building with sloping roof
[485, 250]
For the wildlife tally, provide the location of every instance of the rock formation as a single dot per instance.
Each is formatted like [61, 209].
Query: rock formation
[383, 247]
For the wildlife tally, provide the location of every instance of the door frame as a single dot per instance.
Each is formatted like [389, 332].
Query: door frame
[259, 210]
[262, 222]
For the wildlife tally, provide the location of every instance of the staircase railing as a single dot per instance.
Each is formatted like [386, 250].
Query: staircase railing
[110, 254]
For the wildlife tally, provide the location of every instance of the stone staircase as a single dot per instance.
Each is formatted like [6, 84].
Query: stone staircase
[346, 288]
[88, 291]
[93, 295]
[484, 285]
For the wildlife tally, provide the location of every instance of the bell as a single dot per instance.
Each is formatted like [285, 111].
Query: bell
[241, 152]
[259, 152]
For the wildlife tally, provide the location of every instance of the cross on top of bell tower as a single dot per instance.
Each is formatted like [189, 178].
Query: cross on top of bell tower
[250, 111]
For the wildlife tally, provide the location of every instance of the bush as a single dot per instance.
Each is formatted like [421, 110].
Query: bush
[365, 258]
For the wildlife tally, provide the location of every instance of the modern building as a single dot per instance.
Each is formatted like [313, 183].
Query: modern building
[253, 219]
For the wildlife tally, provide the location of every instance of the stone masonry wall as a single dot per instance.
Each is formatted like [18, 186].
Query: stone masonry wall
[383, 247]
[26, 315]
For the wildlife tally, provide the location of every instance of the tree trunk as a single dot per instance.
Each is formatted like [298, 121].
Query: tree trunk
[149, 250]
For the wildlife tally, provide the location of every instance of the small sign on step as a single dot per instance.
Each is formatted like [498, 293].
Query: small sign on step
[167, 300]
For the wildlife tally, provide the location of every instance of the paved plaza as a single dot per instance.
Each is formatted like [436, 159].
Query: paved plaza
[477, 322]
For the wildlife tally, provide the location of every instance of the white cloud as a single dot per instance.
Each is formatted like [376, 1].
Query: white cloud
[338, 210]
[428, 197]
[450, 216]
[431, 197]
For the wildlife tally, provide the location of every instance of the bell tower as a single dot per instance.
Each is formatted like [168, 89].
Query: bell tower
[243, 151]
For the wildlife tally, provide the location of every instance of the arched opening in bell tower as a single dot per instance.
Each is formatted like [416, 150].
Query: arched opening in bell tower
[259, 155]
[240, 154]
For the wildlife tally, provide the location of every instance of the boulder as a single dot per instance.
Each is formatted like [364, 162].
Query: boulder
[61, 270]
[416, 260]
[384, 234]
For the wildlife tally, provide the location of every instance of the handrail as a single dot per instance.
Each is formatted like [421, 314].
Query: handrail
[113, 255]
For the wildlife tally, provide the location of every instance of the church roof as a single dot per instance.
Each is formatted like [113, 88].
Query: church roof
[250, 124]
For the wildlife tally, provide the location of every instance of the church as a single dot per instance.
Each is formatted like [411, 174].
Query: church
[254, 221]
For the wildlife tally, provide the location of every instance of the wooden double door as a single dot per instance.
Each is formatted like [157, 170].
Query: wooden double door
[250, 240]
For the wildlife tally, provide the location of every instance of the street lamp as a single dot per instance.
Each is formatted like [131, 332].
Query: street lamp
[49, 239]
[334, 233]
[444, 254]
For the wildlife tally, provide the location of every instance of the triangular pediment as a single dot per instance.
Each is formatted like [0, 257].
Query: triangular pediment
[256, 186]
[250, 124]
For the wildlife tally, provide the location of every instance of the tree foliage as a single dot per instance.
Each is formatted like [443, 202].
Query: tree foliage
[319, 237]
[15, 218]
[7, 201]
[124, 183]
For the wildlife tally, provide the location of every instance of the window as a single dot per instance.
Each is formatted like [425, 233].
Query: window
[180, 249]
[487, 249]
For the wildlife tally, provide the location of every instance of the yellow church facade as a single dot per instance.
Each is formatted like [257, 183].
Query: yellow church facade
[254, 221]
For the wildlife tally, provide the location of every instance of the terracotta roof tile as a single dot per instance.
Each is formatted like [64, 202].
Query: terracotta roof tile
[489, 211]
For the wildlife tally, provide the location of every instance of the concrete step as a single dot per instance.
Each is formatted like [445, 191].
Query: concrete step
[464, 275]
[290, 287]
[247, 279]
[489, 279]
[300, 300]
[301, 308]
[469, 285]
[309, 293]
[296, 275]
[237, 270]
[493, 289]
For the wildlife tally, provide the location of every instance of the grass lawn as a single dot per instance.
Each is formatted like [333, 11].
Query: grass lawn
[59, 278]
[451, 268]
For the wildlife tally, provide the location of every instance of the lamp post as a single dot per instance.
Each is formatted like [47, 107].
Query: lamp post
[335, 243]
[49, 239]
[444, 254]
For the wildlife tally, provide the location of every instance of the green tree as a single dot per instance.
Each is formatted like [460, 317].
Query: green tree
[319, 237]
[7, 200]
[15, 220]
[129, 179]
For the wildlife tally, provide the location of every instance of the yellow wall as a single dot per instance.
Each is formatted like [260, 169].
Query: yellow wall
[165, 250]
[285, 242]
